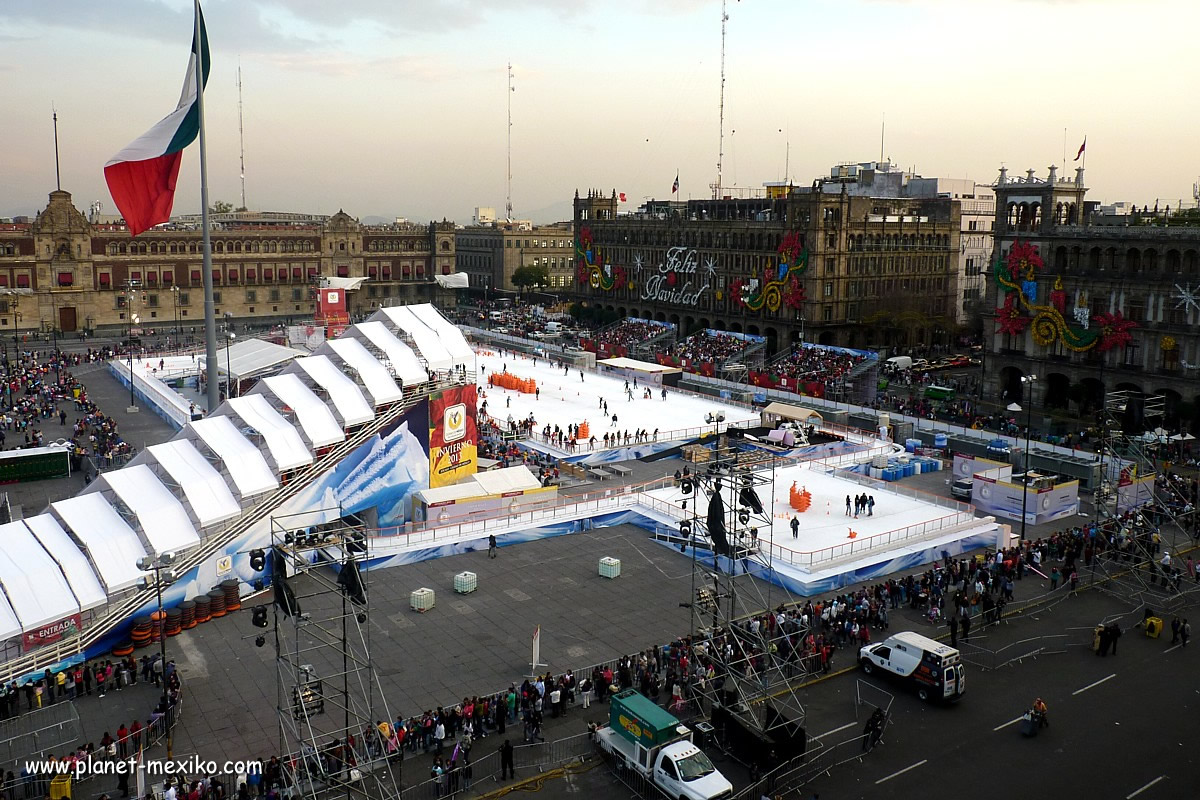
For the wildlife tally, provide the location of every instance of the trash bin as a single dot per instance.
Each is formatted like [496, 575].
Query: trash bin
[60, 787]
[1154, 626]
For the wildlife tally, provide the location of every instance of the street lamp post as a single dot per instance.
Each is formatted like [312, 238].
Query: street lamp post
[155, 565]
[1027, 380]
[230, 336]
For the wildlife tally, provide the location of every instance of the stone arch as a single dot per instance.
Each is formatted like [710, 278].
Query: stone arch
[826, 338]
[736, 327]
[1089, 395]
[1133, 260]
[1012, 390]
[1058, 391]
[772, 336]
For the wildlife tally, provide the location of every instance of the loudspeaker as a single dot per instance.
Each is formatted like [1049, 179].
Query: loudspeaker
[716, 523]
[1133, 420]
[350, 581]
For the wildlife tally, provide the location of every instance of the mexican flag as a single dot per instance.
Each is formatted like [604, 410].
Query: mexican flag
[141, 178]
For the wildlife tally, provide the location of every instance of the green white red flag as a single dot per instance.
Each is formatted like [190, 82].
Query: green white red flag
[142, 177]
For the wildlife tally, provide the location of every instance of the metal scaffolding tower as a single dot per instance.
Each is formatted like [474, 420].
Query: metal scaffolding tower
[743, 663]
[1145, 518]
[329, 699]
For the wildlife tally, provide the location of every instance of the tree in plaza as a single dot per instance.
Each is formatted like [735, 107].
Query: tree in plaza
[530, 277]
[220, 207]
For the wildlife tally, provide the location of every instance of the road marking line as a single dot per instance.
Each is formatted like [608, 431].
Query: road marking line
[901, 772]
[1176, 647]
[1144, 788]
[1010, 722]
[1091, 685]
[835, 730]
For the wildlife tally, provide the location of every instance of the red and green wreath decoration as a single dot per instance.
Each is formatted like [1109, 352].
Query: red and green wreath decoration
[1024, 260]
[736, 290]
[1009, 316]
[791, 247]
[1114, 330]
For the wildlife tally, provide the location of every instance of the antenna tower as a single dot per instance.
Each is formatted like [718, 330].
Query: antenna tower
[508, 214]
[241, 136]
[721, 109]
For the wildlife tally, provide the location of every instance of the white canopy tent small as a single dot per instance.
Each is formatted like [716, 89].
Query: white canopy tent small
[35, 585]
[113, 547]
[446, 330]
[432, 350]
[80, 574]
[166, 526]
[373, 374]
[249, 358]
[283, 441]
[10, 626]
[206, 491]
[316, 420]
[249, 470]
[404, 361]
[347, 398]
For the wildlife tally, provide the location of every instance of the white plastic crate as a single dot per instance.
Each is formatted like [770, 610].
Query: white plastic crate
[465, 582]
[610, 567]
[421, 599]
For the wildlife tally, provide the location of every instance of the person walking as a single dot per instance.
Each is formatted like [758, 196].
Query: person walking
[1185, 632]
[953, 630]
[491, 545]
[966, 627]
[847, 505]
[795, 523]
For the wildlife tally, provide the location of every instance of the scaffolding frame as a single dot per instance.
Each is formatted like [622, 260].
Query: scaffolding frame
[328, 693]
[754, 667]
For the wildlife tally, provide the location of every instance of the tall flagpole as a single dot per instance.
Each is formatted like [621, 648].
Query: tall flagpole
[210, 324]
[57, 172]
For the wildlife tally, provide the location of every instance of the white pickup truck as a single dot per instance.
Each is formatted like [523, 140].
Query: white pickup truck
[646, 739]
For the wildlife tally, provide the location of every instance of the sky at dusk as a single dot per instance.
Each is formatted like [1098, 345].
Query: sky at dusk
[397, 107]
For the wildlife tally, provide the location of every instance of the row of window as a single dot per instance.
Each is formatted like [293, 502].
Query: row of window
[152, 248]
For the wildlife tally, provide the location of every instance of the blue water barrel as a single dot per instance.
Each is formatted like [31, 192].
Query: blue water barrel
[939, 440]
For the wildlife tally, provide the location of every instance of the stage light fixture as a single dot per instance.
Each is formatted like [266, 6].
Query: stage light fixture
[258, 559]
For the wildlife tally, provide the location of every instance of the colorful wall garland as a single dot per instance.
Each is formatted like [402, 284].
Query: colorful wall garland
[779, 285]
[1017, 278]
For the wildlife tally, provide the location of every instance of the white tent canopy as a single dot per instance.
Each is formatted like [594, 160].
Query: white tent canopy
[404, 361]
[509, 479]
[283, 441]
[9, 624]
[446, 330]
[373, 374]
[74, 564]
[35, 585]
[347, 398]
[316, 420]
[165, 524]
[432, 350]
[113, 547]
[250, 472]
[249, 357]
[205, 489]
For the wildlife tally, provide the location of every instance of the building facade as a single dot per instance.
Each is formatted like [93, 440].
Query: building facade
[797, 265]
[1090, 304]
[61, 272]
[490, 254]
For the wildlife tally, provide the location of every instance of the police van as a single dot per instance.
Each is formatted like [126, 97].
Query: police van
[935, 670]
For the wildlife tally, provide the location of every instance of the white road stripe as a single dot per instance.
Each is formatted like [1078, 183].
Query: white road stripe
[1092, 685]
[901, 772]
[1144, 788]
[1176, 647]
[835, 730]
[1010, 722]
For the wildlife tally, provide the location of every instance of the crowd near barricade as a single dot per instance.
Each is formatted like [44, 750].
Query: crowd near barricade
[810, 369]
[619, 340]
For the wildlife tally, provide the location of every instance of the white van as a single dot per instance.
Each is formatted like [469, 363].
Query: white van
[901, 362]
[934, 669]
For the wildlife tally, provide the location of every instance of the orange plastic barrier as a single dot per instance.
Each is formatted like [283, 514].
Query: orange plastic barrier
[584, 430]
[799, 499]
[506, 380]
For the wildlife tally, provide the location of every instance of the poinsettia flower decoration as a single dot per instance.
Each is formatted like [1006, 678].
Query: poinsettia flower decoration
[1023, 259]
[671, 279]
[736, 289]
[791, 247]
[1114, 330]
[795, 295]
[585, 237]
[1009, 316]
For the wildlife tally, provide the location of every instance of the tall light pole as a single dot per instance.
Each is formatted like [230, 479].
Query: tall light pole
[1028, 380]
[229, 337]
[130, 294]
[155, 565]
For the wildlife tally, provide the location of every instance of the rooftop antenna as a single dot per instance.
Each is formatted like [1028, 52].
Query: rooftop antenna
[241, 136]
[721, 110]
[882, 129]
[508, 212]
[57, 173]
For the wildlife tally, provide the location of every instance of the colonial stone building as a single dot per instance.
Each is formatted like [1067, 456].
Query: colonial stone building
[805, 264]
[490, 254]
[64, 273]
[1102, 304]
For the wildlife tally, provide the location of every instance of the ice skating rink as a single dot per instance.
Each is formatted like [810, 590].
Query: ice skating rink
[566, 400]
[825, 524]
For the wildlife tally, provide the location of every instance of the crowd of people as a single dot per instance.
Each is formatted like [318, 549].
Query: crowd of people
[71, 685]
[706, 347]
[628, 333]
[816, 364]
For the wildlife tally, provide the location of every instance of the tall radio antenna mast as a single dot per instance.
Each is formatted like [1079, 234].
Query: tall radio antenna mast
[241, 136]
[508, 212]
[721, 141]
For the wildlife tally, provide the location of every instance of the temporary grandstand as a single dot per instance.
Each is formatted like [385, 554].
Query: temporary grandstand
[70, 575]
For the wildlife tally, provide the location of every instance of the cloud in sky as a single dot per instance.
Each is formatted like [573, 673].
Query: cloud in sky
[398, 107]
